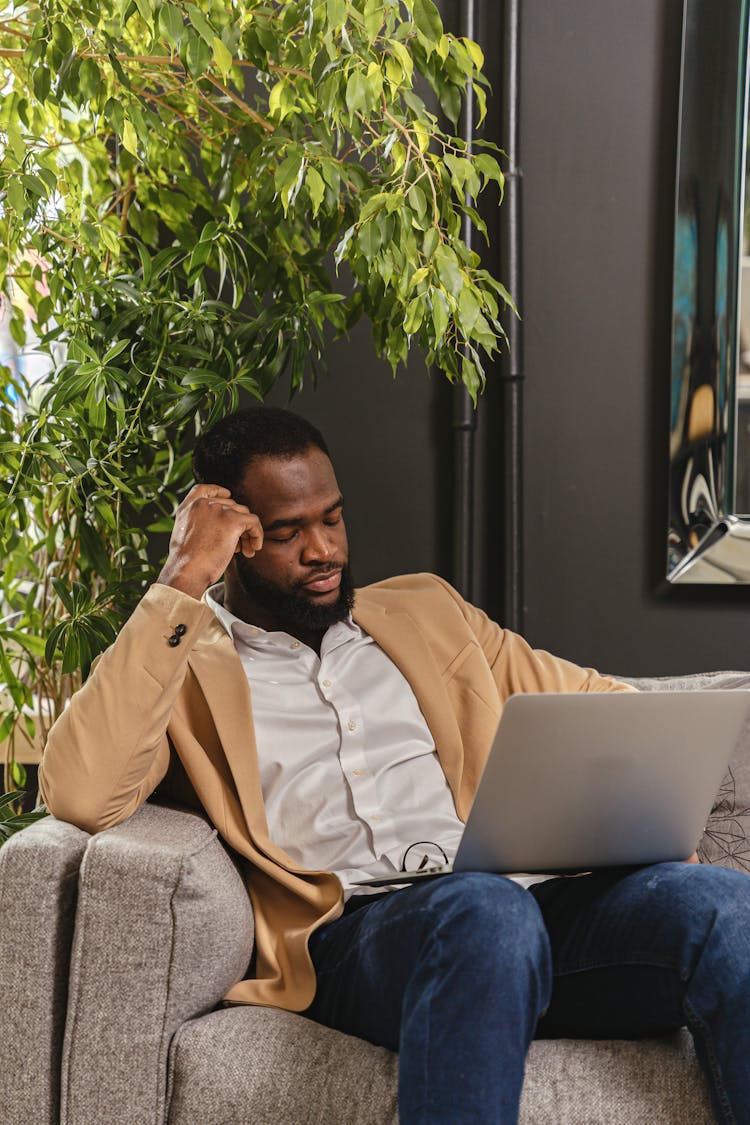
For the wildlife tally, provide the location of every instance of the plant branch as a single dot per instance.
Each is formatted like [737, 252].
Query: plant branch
[414, 148]
[256, 117]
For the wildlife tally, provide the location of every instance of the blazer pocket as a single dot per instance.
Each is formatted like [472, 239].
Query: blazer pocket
[458, 661]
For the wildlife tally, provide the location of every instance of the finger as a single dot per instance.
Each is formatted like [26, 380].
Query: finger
[251, 540]
[209, 491]
[199, 491]
[227, 503]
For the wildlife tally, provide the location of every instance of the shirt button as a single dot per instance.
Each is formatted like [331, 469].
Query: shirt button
[358, 773]
[295, 644]
[327, 683]
[377, 816]
[352, 724]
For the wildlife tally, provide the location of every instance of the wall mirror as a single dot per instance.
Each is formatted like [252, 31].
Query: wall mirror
[709, 441]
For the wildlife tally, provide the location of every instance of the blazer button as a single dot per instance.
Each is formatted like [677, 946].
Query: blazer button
[173, 641]
[180, 630]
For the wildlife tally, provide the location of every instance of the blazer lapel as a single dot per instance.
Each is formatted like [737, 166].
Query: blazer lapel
[222, 679]
[403, 642]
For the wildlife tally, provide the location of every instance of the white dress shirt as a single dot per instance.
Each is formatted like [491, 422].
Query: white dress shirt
[348, 767]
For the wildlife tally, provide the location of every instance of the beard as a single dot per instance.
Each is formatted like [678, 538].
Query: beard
[297, 610]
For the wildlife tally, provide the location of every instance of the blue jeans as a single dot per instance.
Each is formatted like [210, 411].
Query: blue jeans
[460, 974]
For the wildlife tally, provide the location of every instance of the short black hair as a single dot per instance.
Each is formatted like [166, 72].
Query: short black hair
[223, 453]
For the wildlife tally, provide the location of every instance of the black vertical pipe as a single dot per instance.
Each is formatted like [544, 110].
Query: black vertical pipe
[464, 414]
[512, 368]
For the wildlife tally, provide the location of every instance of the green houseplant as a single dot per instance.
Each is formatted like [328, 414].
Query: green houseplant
[191, 194]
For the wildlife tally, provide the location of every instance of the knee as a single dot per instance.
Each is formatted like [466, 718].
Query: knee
[489, 916]
[721, 895]
[712, 904]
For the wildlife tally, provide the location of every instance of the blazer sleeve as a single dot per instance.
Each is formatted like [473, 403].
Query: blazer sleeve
[109, 749]
[517, 667]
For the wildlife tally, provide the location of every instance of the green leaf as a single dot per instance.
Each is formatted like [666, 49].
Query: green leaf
[288, 170]
[449, 271]
[417, 200]
[405, 63]
[110, 239]
[336, 12]
[222, 56]
[359, 95]
[64, 595]
[171, 24]
[116, 349]
[115, 114]
[18, 776]
[129, 137]
[316, 187]
[427, 19]
[468, 309]
[15, 141]
[414, 315]
[89, 79]
[61, 37]
[7, 799]
[196, 52]
[475, 52]
[450, 103]
[16, 195]
[431, 240]
[440, 313]
[201, 24]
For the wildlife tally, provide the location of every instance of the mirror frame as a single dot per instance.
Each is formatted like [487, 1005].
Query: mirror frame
[708, 540]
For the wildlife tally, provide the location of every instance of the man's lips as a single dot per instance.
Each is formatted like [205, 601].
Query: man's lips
[322, 583]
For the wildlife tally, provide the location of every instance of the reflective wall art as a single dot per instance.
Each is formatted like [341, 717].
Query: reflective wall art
[709, 440]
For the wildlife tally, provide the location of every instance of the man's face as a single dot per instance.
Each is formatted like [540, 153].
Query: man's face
[300, 578]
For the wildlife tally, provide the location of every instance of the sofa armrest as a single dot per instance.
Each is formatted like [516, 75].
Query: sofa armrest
[38, 885]
[164, 927]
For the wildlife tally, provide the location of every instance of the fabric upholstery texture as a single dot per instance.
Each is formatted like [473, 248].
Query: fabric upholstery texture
[726, 840]
[614, 1082]
[280, 1069]
[277, 1068]
[164, 927]
[38, 884]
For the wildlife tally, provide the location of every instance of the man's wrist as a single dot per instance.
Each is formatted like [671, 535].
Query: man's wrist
[181, 578]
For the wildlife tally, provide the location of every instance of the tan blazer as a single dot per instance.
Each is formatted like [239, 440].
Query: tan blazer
[150, 710]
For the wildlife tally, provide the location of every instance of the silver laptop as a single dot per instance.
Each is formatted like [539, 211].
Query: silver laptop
[581, 781]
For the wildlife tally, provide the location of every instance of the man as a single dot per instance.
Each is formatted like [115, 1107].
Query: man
[326, 733]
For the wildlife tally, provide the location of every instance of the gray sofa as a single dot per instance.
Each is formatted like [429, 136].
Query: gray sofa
[163, 926]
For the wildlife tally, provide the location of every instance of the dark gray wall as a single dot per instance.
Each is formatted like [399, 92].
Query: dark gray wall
[599, 115]
[599, 101]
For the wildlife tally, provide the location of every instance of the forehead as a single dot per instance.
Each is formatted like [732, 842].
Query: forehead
[288, 486]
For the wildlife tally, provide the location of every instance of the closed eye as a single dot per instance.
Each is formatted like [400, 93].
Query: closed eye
[295, 532]
[282, 538]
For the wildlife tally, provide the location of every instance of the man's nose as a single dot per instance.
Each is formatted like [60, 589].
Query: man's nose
[317, 546]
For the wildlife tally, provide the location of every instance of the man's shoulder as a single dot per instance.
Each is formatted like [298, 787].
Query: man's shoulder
[405, 590]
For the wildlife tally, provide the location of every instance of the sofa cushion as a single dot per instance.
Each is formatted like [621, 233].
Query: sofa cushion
[277, 1068]
[615, 1082]
[726, 840]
